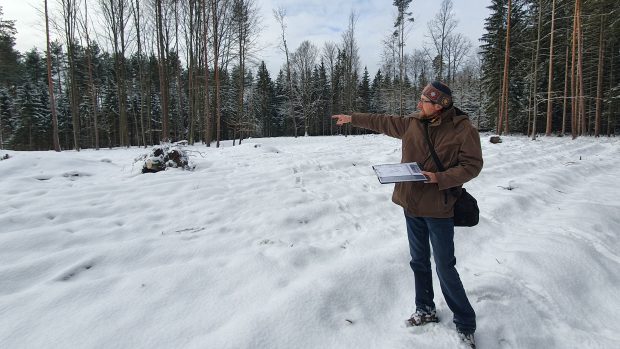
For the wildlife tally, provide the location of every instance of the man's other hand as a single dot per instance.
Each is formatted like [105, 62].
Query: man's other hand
[342, 119]
[432, 177]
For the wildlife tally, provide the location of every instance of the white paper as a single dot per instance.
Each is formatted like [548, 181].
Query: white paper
[404, 172]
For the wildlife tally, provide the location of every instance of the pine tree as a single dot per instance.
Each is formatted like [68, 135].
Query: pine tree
[376, 94]
[363, 93]
[325, 107]
[264, 100]
[9, 74]
[9, 57]
[33, 122]
[282, 124]
[403, 20]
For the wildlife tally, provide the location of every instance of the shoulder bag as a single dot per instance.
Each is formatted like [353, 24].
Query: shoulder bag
[466, 211]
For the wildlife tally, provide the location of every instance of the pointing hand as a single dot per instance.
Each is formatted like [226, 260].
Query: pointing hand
[342, 119]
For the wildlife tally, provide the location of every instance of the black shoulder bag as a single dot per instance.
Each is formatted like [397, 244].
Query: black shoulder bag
[466, 212]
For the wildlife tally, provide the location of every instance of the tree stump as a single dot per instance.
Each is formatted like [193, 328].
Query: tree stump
[164, 156]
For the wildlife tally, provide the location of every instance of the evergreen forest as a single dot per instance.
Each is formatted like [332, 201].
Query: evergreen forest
[170, 70]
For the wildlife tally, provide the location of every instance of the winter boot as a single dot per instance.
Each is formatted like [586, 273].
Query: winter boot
[421, 317]
[468, 339]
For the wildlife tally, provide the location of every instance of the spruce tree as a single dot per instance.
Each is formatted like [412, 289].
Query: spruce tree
[264, 98]
[32, 122]
[376, 94]
[363, 93]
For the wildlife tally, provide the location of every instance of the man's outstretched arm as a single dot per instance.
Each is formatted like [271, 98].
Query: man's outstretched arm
[392, 126]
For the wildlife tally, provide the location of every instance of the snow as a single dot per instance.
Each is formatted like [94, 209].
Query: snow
[293, 243]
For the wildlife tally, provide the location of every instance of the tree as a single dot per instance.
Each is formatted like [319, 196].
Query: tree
[137, 17]
[599, 79]
[70, 19]
[280, 15]
[577, 109]
[350, 62]
[207, 107]
[375, 94]
[304, 60]
[503, 107]
[9, 71]
[322, 91]
[264, 101]
[50, 83]
[329, 55]
[364, 93]
[457, 49]
[162, 50]
[402, 20]
[550, 78]
[439, 30]
[116, 15]
[535, 115]
[219, 18]
[493, 50]
[245, 19]
[32, 123]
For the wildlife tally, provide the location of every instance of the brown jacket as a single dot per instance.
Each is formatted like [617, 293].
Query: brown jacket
[457, 144]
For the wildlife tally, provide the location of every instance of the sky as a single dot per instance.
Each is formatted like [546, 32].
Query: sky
[316, 20]
[286, 243]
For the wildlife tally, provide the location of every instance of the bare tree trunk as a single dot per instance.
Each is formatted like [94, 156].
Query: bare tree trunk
[503, 109]
[550, 78]
[280, 15]
[582, 110]
[115, 16]
[163, 74]
[179, 124]
[351, 61]
[149, 101]
[401, 20]
[59, 85]
[122, 88]
[216, 58]
[241, 38]
[611, 84]
[207, 112]
[530, 98]
[136, 15]
[535, 116]
[563, 132]
[50, 85]
[69, 9]
[573, 80]
[190, 71]
[91, 82]
[401, 63]
[599, 87]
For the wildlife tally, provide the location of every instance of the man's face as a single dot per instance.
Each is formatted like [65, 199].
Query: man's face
[427, 108]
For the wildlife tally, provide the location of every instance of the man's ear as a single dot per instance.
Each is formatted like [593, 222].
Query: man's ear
[438, 107]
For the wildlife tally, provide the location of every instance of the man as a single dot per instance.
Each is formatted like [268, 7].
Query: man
[429, 205]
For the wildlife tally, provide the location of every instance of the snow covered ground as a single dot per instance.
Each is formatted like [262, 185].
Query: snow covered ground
[293, 243]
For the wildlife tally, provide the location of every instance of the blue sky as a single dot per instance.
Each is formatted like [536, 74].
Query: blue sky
[315, 20]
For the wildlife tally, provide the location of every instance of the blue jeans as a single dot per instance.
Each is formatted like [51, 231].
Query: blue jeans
[441, 234]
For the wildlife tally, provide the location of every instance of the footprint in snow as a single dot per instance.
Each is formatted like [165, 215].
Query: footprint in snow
[74, 272]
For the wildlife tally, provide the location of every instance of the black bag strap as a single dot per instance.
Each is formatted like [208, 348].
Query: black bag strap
[431, 148]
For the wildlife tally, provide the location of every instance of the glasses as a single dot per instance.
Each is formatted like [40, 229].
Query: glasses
[426, 101]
